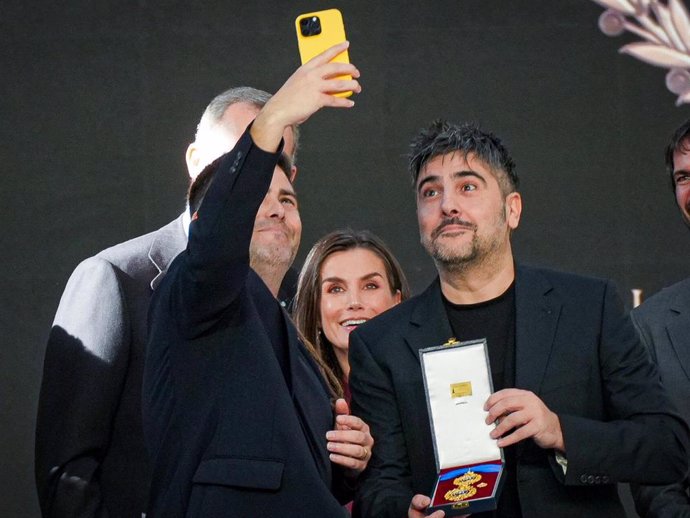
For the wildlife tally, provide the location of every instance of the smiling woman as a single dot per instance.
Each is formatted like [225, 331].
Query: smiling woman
[348, 278]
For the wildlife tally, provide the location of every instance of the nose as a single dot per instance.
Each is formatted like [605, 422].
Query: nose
[271, 207]
[353, 300]
[449, 203]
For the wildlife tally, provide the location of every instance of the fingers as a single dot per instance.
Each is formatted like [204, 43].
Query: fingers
[504, 402]
[328, 54]
[350, 446]
[519, 434]
[507, 423]
[350, 422]
[357, 465]
[351, 455]
[496, 397]
[350, 436]
[338, 69]
[419, 504]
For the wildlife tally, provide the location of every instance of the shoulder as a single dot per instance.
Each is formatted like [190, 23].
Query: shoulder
[396, 319]
[137, 253]
[566, 284]
[677, 295]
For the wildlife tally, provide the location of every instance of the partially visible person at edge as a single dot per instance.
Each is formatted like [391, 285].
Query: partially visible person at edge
[237, 415]
[90, 458]
[348, 278]
[663, 321]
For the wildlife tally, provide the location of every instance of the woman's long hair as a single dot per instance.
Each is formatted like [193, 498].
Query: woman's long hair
[307, 304]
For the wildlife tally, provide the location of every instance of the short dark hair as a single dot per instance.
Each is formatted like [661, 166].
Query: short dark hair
[443, 137]
[199, 187]
[680, 141]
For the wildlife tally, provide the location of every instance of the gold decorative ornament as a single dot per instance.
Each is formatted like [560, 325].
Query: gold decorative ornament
[460, 493]
[468, 478]
[465, 489]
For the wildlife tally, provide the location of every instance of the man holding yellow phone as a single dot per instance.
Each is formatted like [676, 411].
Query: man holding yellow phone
[236, 411]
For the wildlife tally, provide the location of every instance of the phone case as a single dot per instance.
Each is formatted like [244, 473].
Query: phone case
[332, 32]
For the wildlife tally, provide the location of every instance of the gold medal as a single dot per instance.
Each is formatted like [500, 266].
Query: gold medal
[460, 493]
[468, 478]
[465, 489]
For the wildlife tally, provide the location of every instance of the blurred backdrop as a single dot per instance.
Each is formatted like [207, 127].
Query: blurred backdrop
[98, 101]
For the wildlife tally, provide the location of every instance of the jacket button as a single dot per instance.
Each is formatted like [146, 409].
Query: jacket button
[597, 479]
[583, 479]
[590, 479]
[605, 479]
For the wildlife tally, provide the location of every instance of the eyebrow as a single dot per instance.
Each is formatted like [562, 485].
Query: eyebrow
[456, 175]
[363, 278]
[286, 192]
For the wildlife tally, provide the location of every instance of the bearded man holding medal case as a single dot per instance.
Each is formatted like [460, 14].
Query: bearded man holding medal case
[578, 405]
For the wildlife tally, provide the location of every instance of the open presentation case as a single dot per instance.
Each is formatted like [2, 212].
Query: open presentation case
[457, 379]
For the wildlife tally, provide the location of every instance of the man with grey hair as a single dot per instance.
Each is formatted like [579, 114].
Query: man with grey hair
[90, 455]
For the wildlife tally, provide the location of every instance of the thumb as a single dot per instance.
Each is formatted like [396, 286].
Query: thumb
[341, 407]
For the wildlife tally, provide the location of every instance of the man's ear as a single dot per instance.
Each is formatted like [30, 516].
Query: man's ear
[513, 209]
[293, 174]
[193, 159]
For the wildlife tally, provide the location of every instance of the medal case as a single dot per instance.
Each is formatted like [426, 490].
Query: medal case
[457, 381]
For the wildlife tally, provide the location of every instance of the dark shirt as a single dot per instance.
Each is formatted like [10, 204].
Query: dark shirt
[494, 320]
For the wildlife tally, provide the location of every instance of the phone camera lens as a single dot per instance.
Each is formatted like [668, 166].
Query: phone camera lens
[310, 26]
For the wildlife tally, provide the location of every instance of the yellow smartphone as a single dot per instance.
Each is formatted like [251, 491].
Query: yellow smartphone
[319, 31]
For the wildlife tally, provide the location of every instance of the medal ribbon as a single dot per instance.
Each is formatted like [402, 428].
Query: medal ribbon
[482, 468]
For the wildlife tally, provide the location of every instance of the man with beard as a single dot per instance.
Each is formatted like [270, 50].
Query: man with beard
[577, 404]
[236, 411]
[663, 322]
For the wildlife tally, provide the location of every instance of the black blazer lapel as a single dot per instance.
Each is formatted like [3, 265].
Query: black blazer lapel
[537, 310]
[429, 321]
[310, 395]
[678, 328]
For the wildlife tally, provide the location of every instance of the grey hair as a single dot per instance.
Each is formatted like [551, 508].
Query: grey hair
[213, 114]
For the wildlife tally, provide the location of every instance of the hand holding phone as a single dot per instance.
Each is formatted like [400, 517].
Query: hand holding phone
[319, 31]
[309, 89]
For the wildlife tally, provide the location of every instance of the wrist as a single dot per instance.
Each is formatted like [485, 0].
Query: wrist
[267, 130]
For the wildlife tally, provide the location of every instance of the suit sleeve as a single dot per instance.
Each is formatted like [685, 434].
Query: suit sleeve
[211, 273]
[671, 501]
[385, 488]
[642, 439]
[84, 370]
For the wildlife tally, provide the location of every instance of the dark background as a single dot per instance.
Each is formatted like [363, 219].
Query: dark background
[99, 100]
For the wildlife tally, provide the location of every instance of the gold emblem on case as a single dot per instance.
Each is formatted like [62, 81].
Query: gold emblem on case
[461, 389]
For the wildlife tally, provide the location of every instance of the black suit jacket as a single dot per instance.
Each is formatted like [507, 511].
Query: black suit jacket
[227, 436]
[90, 454]
[574, 350]
[663, 322]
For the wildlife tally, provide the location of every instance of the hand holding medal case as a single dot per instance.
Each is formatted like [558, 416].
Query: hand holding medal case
[457, 379]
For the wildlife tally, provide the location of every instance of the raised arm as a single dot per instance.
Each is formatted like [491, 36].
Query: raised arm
[211, 273]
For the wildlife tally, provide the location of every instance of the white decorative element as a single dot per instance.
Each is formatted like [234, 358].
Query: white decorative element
[666, 31]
